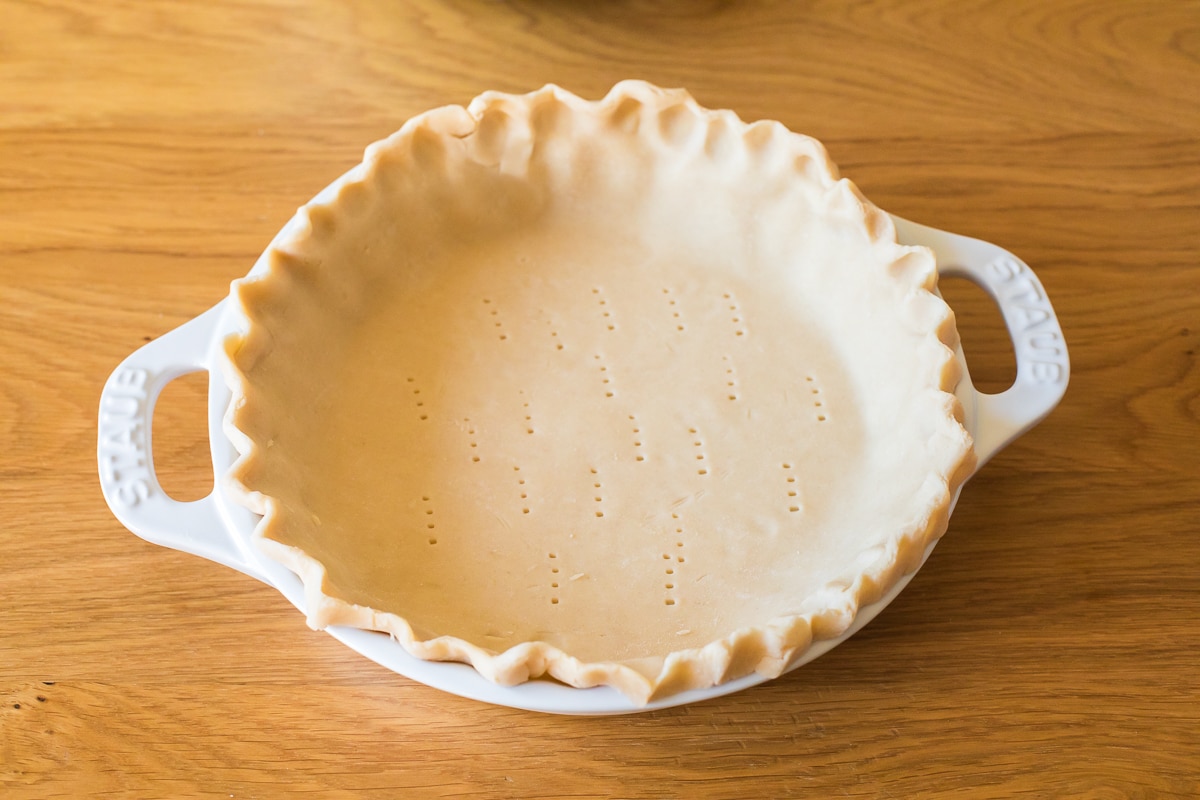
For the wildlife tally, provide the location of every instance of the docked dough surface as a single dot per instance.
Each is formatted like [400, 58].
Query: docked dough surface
[625, 392]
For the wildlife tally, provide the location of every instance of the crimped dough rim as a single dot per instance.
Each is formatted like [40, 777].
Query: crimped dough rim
[767, 648]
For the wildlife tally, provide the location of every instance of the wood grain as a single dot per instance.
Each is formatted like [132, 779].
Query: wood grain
[148, 151]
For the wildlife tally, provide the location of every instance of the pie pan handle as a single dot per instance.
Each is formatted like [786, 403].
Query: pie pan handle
[126, 454]
[1043, 367]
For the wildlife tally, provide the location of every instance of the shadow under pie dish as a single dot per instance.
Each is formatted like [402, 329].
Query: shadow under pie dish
[623, 393]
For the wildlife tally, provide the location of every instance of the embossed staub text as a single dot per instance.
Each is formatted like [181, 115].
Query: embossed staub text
[123, 438]
[1035, 332]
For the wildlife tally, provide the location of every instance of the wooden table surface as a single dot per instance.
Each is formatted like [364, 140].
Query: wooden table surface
[1049, 648]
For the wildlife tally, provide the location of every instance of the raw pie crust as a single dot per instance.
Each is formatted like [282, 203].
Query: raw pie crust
[625, 392]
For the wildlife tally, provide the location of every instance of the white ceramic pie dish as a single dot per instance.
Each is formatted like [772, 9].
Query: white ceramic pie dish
[219, 529]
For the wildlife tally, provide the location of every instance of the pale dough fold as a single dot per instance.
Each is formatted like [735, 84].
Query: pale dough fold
[625, 392]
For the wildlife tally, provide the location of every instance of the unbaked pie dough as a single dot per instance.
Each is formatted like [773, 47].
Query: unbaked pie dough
[625, 392]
